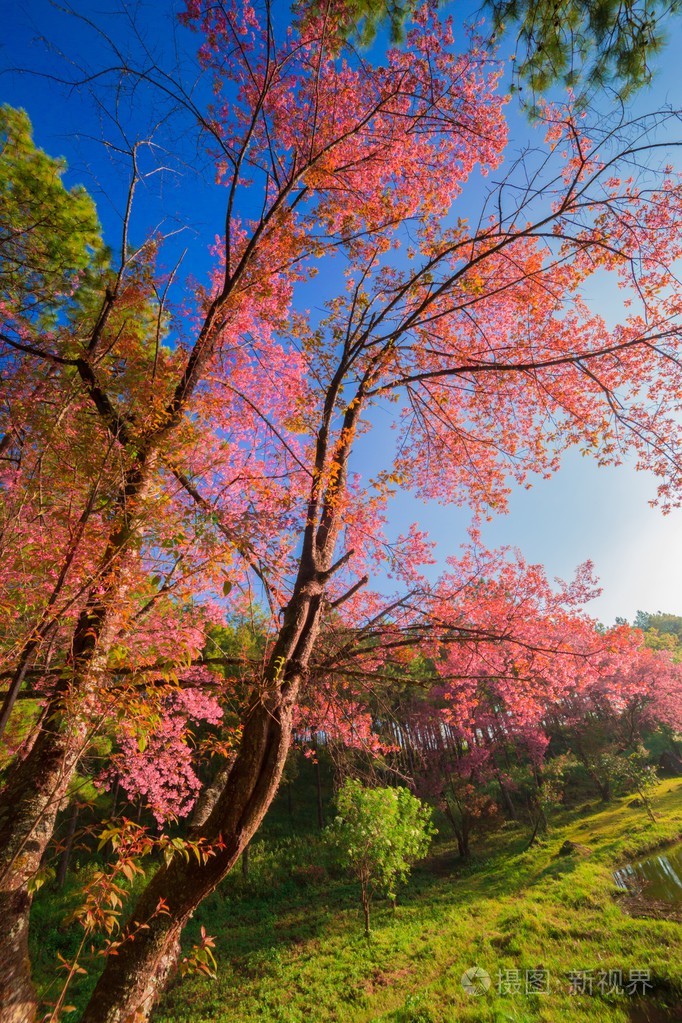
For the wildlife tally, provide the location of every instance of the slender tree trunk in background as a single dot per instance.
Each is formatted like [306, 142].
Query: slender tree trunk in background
[603, 786]
[63, 865]
[114, 800]
[245, 861]
[533, 837]
[461, 831]
[320, 808]
[409, 751]
[506, 798]
[365, 910]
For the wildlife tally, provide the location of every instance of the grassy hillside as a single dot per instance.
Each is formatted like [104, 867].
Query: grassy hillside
[291, 950]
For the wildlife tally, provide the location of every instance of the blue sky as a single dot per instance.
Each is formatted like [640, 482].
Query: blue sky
[583, 512]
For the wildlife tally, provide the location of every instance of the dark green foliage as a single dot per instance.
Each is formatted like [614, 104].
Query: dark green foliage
[365, 17]
[379, 834]
[669, 624]
[49, 235]
[584, 43]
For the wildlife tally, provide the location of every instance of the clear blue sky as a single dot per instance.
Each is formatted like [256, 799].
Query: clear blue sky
[604, 514]
[583, 512]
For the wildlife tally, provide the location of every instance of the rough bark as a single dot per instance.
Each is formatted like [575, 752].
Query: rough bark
[209, 797]
[27, 819]
[134, 978]
[38, 784]
[18, 1002]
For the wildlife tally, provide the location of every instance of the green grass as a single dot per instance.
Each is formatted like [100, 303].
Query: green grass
[291, 950]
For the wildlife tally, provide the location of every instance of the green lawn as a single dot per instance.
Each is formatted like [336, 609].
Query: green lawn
[290, 945]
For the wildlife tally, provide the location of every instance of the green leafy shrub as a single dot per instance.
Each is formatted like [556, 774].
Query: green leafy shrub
[379, 833]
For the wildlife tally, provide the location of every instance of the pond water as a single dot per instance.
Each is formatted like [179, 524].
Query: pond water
[659, 875]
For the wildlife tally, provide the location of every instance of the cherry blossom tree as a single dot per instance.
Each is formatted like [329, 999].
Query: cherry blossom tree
[186, 454]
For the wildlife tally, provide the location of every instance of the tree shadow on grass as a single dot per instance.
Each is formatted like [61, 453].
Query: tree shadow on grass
[653, 1011]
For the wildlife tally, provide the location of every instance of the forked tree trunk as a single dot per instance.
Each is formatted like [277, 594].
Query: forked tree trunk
[462, 836]
[461, 829]
[134, 978]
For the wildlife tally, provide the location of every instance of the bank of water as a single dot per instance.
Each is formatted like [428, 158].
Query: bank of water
[657, 877]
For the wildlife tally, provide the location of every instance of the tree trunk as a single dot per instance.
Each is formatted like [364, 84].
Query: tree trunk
[603, 786]
[534, 836]
[38, 784]
[461, 831]
[463, 844]
[134, 978]
[210, 795]
[365, 910]
[17, 1000]
[320, 808]
[114, 798]
[63, 864]
[29, 802]
[27, 818]
[506, 798]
